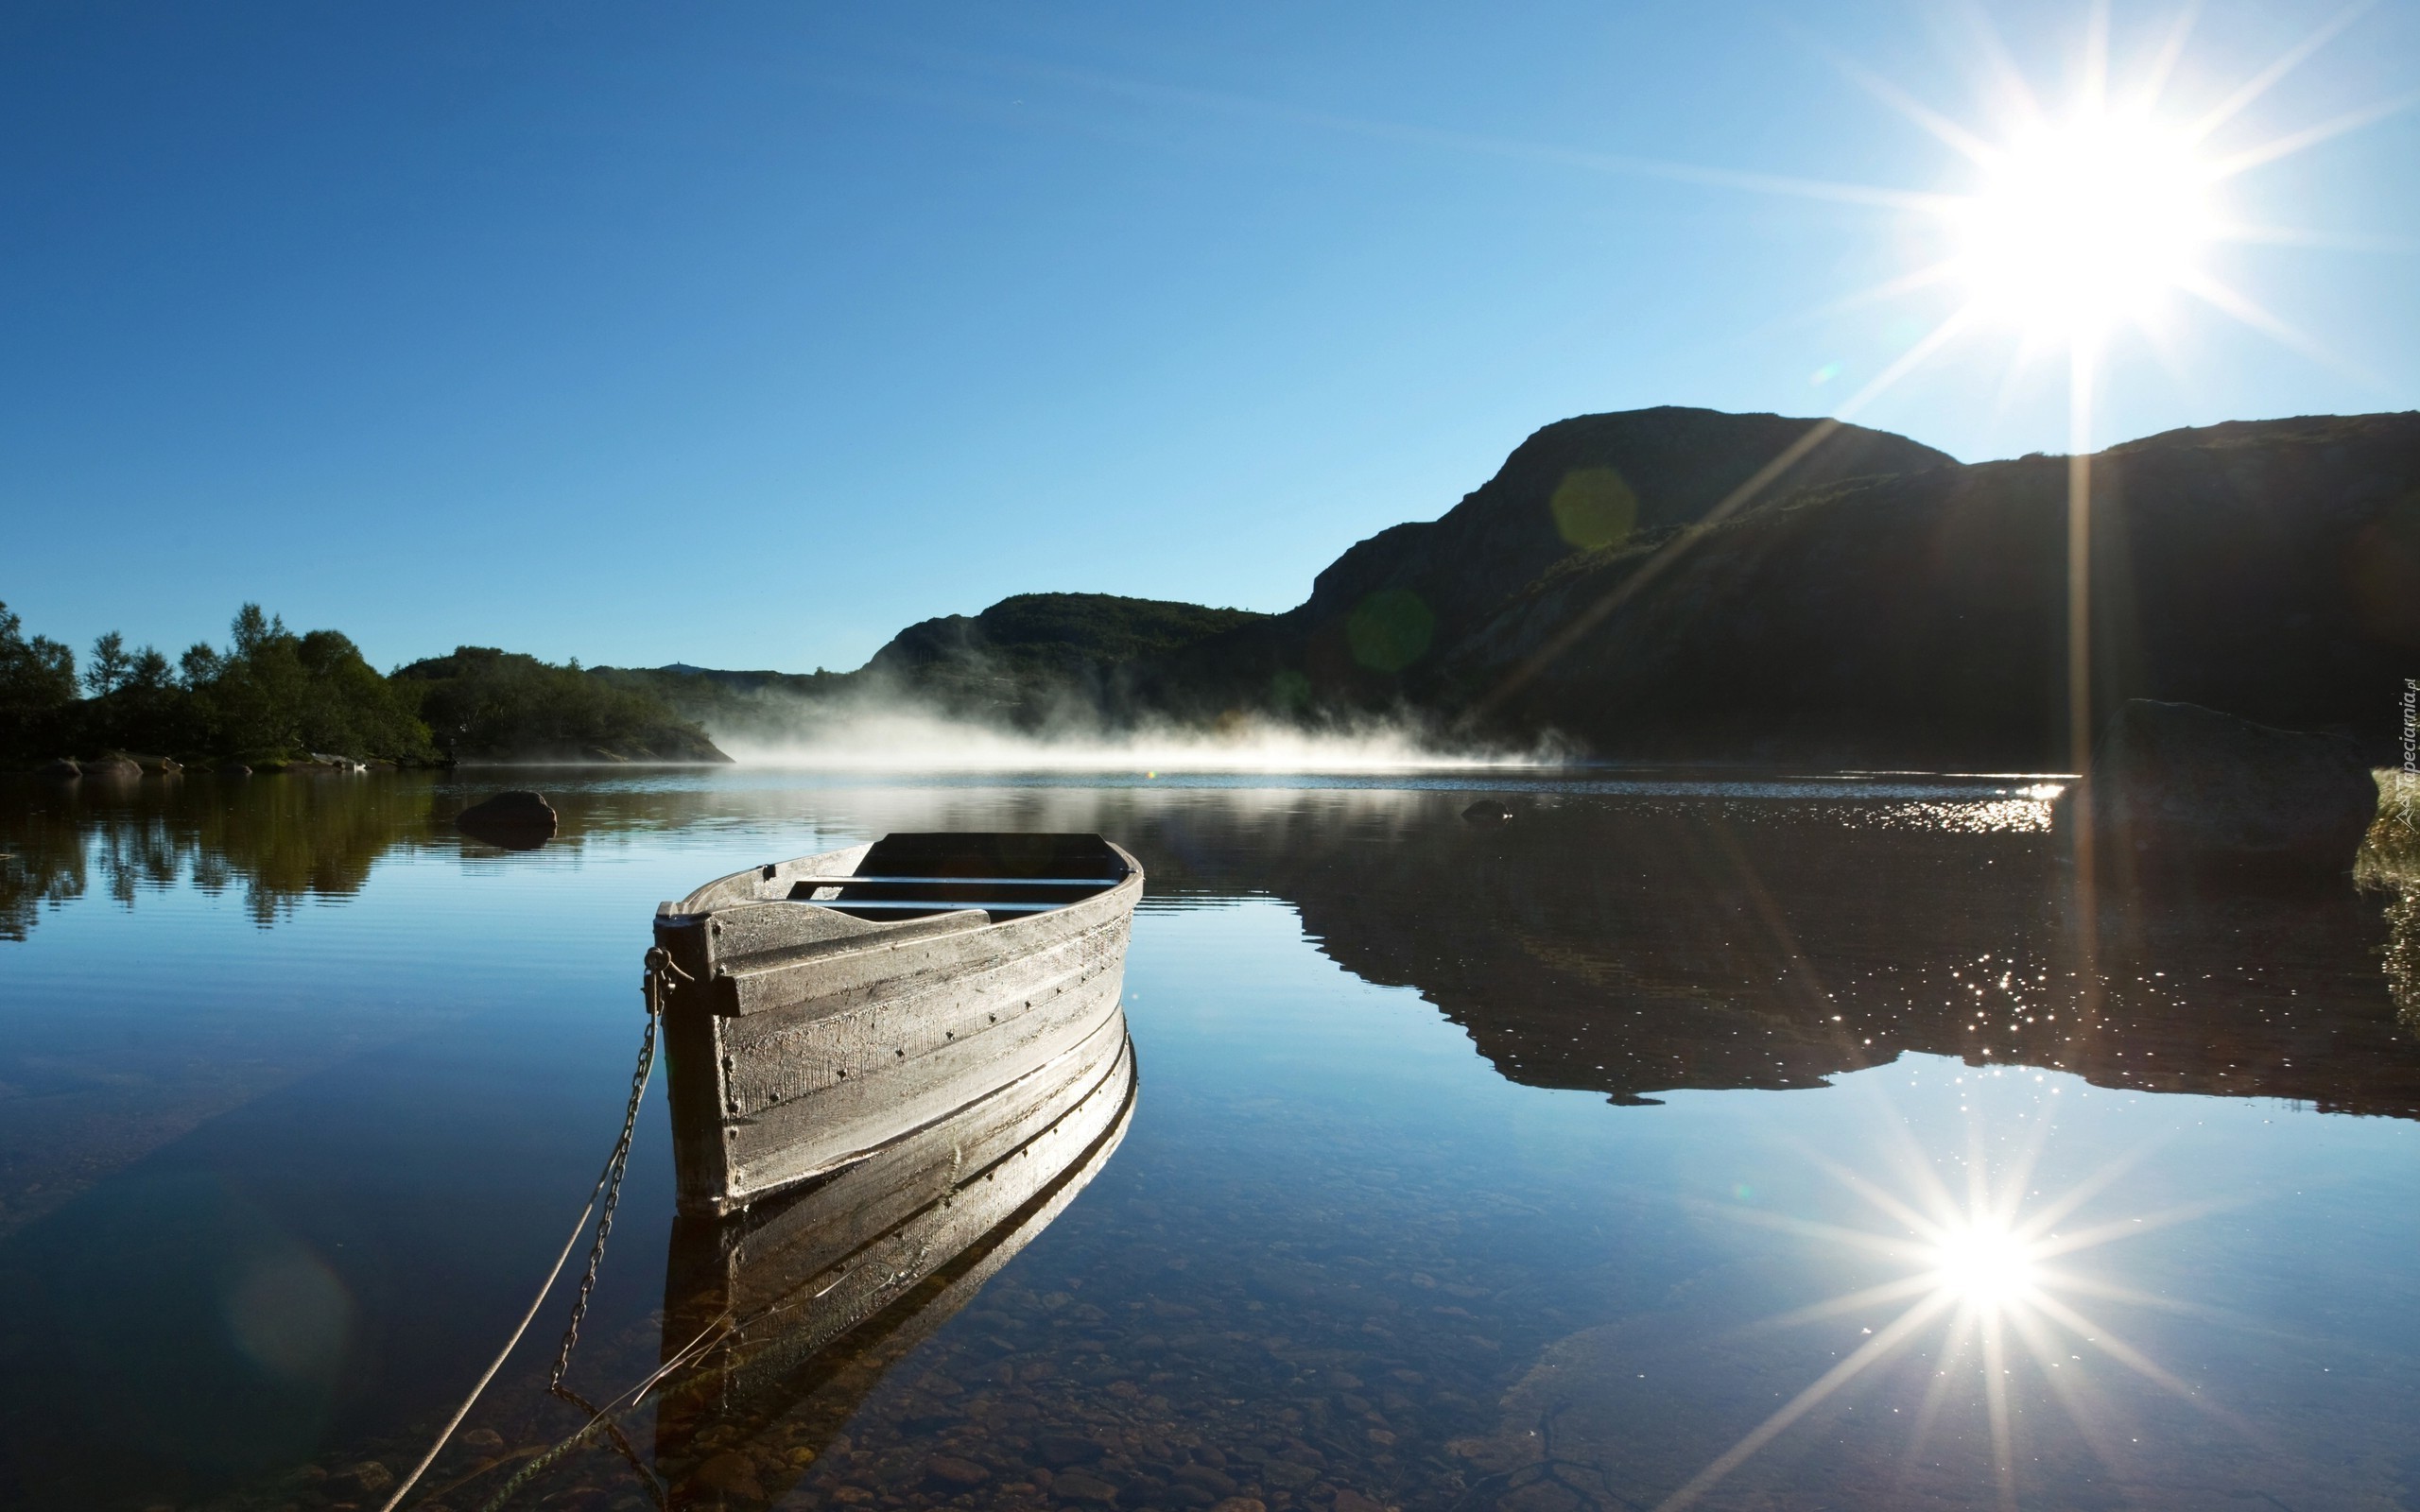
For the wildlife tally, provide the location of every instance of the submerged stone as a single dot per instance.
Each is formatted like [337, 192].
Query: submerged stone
[516, 820]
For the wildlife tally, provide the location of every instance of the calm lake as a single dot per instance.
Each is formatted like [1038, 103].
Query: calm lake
[1773, 1141]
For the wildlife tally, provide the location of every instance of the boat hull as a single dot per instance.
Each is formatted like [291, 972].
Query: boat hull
[799, 1041]
[779, 1319]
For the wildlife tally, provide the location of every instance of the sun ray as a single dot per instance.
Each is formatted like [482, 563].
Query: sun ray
[1878, 1243]
[2129, 1227]
[2212, 291]
[1907, 362]
[1931, 122]
[2000, 66]
[1932, 1229]
[2132, 1358]
[1891, 1336]
[2286, 63]
[2073, 1388]
[1852, 1302]
[2310, 136]
[2095, 88]
[2050, 1214]
[1936, 1397]
[1995, 1407]
[2171, 52]
[2251, 233]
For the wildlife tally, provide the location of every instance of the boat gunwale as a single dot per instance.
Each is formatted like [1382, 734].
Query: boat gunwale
[703, 902]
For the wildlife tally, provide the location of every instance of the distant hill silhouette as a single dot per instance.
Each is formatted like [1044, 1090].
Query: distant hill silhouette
[1683, 583]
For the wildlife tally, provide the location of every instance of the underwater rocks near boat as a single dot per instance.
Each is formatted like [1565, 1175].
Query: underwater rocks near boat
[2176, 783]
[515, 820]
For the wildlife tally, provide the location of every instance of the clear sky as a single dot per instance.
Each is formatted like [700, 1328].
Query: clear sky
[744, 334]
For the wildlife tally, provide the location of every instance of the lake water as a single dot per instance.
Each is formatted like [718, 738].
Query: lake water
[1773, 1141]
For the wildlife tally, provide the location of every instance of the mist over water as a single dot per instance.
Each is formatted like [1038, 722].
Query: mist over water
[903, 737]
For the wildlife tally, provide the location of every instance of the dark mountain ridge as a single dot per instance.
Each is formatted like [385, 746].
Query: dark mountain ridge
[1682, 584]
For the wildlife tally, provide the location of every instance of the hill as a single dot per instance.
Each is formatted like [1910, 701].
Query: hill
[1677, 584]
[1027, 658]
[1023, 663]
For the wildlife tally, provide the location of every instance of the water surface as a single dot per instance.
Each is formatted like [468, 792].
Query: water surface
[1605, 1159]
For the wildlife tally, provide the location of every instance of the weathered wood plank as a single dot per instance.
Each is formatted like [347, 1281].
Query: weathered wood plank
[810, 1037]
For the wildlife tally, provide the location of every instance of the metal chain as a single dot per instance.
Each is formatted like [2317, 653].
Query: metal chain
[659, 965]
[608, 1185]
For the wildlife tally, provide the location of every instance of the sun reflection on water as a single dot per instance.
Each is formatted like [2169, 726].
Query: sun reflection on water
[1984, 1265]
[1979, 1285]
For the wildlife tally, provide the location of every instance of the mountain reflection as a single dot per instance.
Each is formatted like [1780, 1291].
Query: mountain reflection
[1625, 936]
[1633, 950]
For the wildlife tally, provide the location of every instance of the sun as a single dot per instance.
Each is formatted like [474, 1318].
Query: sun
[2084, 224]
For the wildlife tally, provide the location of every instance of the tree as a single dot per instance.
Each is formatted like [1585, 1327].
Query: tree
[200, 663]
[37, 688]
[109, 665]
[148, 672]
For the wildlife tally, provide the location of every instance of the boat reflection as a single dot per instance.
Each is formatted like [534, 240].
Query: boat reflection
[780, 1320]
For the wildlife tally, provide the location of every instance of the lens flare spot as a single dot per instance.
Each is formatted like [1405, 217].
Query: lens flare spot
[1593, 507]
[1390, 629]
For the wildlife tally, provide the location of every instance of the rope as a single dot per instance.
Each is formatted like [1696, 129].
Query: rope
[608, 1189]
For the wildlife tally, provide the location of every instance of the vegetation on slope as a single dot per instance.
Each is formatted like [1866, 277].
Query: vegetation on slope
[269, 696]
[1040, 656]
[483, 704]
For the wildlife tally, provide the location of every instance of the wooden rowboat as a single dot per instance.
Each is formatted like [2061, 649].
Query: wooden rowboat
[823, 1008]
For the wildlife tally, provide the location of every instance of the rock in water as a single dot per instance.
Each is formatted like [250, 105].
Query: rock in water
[63, 769]
[518, 820]
[112, 769]
[1487, 811]
[234, 769]
[2174, 782]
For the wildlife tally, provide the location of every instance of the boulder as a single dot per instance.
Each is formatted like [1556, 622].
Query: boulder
[518, 820]
[234, 769]
[2175, 782]
[112, 769]
[1487, 811]
[63, 769]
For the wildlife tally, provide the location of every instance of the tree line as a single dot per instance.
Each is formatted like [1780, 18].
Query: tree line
[272, 695]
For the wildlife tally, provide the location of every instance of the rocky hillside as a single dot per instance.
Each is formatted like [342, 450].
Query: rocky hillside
[1036, 654]
[1872, 602]
[1684, 584]
[1388, 614]
[2270, 570]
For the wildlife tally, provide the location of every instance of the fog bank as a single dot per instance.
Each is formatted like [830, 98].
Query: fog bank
[909, 739]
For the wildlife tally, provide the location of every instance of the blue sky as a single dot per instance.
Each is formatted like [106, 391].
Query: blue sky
[745, 334]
